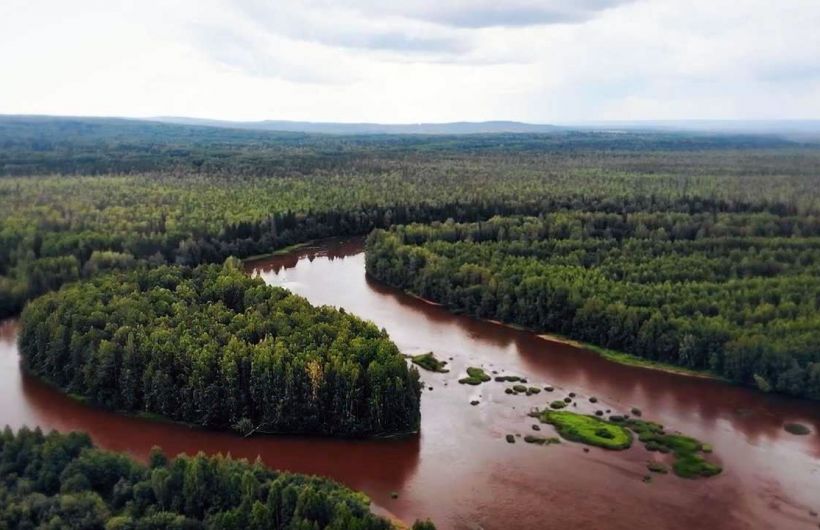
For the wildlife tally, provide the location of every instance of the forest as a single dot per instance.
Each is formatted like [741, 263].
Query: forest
[709, 240]
[65, 227]
[214, 347]
[54, 481]
[734, 293]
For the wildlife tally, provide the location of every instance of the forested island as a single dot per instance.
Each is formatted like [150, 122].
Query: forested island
[215, 347]
[62, 481]
[735, 293]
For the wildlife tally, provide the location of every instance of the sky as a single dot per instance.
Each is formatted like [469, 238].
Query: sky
[412, 61]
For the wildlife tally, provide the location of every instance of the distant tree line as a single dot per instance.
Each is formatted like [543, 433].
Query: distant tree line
[214, 347]
[55, 481]
[734, 293]
[38, 145]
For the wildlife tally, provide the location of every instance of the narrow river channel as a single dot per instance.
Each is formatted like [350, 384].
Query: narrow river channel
[460, 470]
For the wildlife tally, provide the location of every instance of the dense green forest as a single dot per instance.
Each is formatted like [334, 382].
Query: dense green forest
[212, 346]
[55, 481]
[737, 293]
[713, 233]
[55, 229]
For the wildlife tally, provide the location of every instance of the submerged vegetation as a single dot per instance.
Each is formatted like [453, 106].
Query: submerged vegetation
[62, 481]
[541, 440]
[214, 347]
[689, 462]
[797, 428]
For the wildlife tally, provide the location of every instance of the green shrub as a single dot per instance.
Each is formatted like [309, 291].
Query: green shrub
[429, 362]
[475, 376]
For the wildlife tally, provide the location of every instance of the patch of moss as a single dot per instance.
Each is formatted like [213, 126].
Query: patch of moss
[656, 467]
[557, 405]
[540, 440]
[588, 429]
[508, 379]
[797, 428]
[429, 362]
[533, 390]
[689, 463]
[475, 376]
[519, 389]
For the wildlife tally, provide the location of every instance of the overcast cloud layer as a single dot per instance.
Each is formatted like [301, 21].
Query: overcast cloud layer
[546, 61]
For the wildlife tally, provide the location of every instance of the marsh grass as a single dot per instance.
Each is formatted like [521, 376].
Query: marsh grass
[429, 362]
[475, 376]
[588, 429]
[689, 462]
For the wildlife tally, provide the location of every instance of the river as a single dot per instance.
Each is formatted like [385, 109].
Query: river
[459, 470]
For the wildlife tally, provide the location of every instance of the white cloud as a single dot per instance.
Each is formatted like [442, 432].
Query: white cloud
[418, 60]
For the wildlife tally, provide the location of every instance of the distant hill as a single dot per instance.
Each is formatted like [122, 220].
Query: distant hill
[461, 127]
[796, 130]
[63, 144]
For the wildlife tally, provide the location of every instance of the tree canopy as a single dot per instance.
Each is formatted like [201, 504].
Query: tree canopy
[214, 347]
[61, 481]
[734, 293]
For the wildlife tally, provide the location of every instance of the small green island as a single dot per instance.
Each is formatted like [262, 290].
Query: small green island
[212, 346]
[429, 362]
[475, 376]
[689, 462]
[617, 434]
[587, 429]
